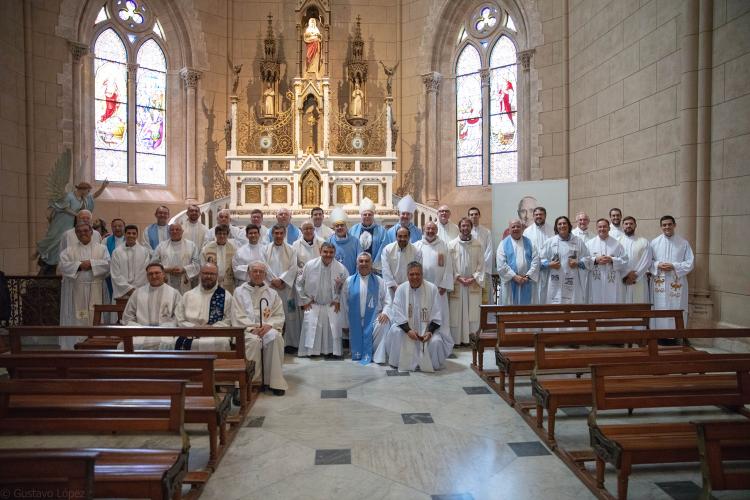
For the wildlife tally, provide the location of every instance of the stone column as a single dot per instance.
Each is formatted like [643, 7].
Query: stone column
[432, 85]
[235, 125]
[78, 50]
[390, 148]
[190, 77]
[522, 122]
[132, 84]
[484, 78]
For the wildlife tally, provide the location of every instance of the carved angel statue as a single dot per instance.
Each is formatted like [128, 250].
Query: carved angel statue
[63, 207]
[236, 78]
[389, 72]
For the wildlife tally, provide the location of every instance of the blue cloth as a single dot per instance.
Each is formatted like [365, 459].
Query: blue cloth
[379, 238]
[347, 250]
[360, 329]
[292, 234]
[415, 234]
[215, 314]
[111, 243]
[524, 294]
[152, 231]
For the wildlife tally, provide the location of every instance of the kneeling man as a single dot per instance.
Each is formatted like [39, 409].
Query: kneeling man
[416, 338]
[260, 310]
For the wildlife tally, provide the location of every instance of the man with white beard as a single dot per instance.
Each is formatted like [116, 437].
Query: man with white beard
[364, 313]
[395, 257]
[319, 290]
[518, 266]
[180, 258]
[468, 271]
[70, 237]
[220, 251]
[447, 230]
[673, 260]
[639, 262]
[83, 266]
[539, 232]
[236, 234]
[564, 258]
[152, 304]
[128, 265]
[615, 217]
[437, 268]
[321, 230]
[582, 227]
[263, 324]
[281, 270]
[195, 231]
[608, 261]
[372, 237]
[416, 339]
[251, 251]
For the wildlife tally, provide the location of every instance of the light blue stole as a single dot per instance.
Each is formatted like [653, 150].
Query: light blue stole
[360, 329]
[153, 235]
[510, 257]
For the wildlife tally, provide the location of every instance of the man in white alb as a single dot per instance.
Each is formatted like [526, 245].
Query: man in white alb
[564, 258]
[69, 237]
[321, 230]
[256, 217]
[128, 265]
[447, 230]
[220, 251]
[194, 229]
[484, 237]
[251, 251]
[158, 231]
[673, 260]
[468, 272]
[180, 258]
[236, 234]
[608, 262]
[437, 268]
[615, 218]
[582, 227]
[635, 277]
[539, 232]
[307, 247]
[281, 274]
[395, 257]
[518, 266]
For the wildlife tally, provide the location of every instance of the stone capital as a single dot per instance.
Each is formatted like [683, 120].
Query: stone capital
[78, 50]
[524, 57]
[432, 82]
[190, 76]
[484, 75]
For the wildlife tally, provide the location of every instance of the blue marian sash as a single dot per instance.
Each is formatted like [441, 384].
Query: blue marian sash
[153, 236]
[360, 329]
[215, 314]
[111, 245]
[510, 256]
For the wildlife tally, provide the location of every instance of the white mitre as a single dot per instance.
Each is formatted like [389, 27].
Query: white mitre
[367, 204]
[337, 216]
[407, 204]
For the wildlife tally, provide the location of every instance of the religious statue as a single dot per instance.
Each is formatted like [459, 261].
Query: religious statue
[236, 78]
[357, 101]
[268, 100]
[394, 133]
[389, 72]
[313, 43]
[228, 133]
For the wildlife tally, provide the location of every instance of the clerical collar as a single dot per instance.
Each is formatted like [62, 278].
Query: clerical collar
[311, 242]
[256, 286]
[433, 240]
[461, 238]
[135, 244]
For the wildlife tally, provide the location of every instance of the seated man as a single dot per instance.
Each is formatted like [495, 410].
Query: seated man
[416, 339]
[364, 312]
[153, 304]
[259, 308]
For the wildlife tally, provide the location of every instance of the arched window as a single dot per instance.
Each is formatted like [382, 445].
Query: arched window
[486, 148]
[130, 79]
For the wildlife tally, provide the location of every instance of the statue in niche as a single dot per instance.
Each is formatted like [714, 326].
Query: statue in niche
[236, 77]
[228, 133]
[389, 72]
[268, 100]
[358, 98]
[313, 43]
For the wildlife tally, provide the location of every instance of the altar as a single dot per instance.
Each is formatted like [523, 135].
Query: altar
[299, 150]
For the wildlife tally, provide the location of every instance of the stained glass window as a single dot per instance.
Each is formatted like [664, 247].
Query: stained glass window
[150, 162]
[468, 118]
[503, 112]
[110, 108]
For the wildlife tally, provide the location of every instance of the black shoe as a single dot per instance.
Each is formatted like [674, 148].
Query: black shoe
[236, 397]
[278, 392]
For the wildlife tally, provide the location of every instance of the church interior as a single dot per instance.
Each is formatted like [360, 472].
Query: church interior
[275, 105]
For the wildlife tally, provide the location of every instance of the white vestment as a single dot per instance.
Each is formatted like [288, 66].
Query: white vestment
[320, 286]
[615, 232]
[128, 268]
[468, 262]
[394, 260]
[193, 310]
[182, 254]
[323, 232]
[236, 234]
[538, 236]
[416, 309]
[306, 251]
[669, 289]
[245, 255]
[69, 238]
[437, 268]
[81, 290]
[605, 281]
[379, 331]
[282, 264]
[523, 268]
[584, 235]
[195, 232]
[447, 232]
[565, 285]
[161, 231]
[152, 306]
[639, 260]
[221, 256]
[250, 313]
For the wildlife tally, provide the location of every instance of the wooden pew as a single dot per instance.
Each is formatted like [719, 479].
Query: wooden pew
[52, 473]
[716, 382]
[202, 404]
[93, 343]
[714, 438]
[513, 362]
[554, 393]
[230, 366]
[106, 406]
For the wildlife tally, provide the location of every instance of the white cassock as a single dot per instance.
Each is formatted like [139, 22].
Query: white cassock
[162, 233]
[517, 262]
[394, 260]
[639, 260]
[128, 268]
[195, 232]
[321, 285]
[615, 232]
[584, 235]
[447, 232]
[565, 285]
[538, 236]
[306, 251]
[236, 235]
[605, 281]
[669, 290]
[69, 238]
[437, 268]
[468, 262]
[323, 232]
[152, 306]
[194, 309]
[183, 254]
[263, 233]
[245, 255]
[416, 309]
[484, 236]
[247, 312]
[282, 264]
[81, 290]
[221, 256]
[381, 304]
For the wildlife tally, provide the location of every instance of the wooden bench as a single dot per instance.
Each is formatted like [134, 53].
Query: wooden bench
[230, 367]
[513, 362]
[52, 473]
[551, 394]
[92, 343]
[202, 404]
[106, 406]
[723, 381]
[486, 336]
[714, 438]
